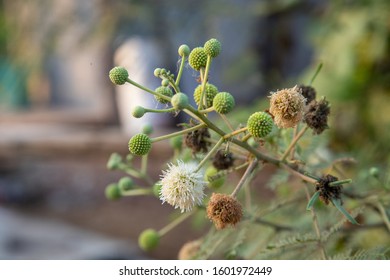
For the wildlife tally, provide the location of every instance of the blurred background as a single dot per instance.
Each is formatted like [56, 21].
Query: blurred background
[61, 118]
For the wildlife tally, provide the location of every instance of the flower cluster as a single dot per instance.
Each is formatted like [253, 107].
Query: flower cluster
[219, 149]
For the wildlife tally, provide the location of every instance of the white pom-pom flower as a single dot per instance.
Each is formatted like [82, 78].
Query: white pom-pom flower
[182, 186]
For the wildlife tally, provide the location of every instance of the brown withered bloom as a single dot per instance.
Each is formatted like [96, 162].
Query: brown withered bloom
[316, 116]
[223, 159]
[287, 106]
[224, 210]
[308, 92]
[328, 192]
[189, 250]
[196, 140]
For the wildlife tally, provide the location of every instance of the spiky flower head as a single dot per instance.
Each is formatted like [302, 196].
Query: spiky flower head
[182, 186]
[287, 106]
[223, 102]
[212, 47]
[140, 144]
[197, 58]
[184, 50]
[224, 210]
[148, 239]
[179, 101]
[118, 75]
[163, 90]
[260, 124]
[210, 92]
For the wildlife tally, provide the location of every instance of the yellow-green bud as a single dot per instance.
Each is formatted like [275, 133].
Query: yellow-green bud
[223, 102]
[166, 91]
[148, 239]
[138, 112]
[197, 58]
[114, 161]
[179, 101]
[125, 184]
[157, 72]
[210, 92]
[212, 47]
[260, 124]
[147, 129]
[213, 184]
[374, 172]
[112, 192]
[157, 188]
[183, 50]
[176, 142]
[165, 82]
[118, 75]
[140, 144]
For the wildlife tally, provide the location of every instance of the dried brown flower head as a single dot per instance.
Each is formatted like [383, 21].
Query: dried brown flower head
[224, 210]
[328, 192]
[287, 106]
[308, 92]
[196, 140]
[189, 250]
[223, 159]
[316, 116]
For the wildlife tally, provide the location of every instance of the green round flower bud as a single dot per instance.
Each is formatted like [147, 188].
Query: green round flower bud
[260, 124]
[140, 144]
[148, 239]
[163, 71]
[114, 161]
[223, 102]
[147, 129]
[125, 184]
[197, 58]
[165, 82]
[213, 184]
[118, 75]
[212, 47]
[183, 50]
[374, 172]
[112, 192]
[138, 112]
[166, 91]
[179, 101]
[157, 189]
[253, 143]
[211, 91]
[176, 142]
[157, 72]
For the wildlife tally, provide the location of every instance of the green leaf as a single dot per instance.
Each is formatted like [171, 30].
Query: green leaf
[312, 200]
[337, 203]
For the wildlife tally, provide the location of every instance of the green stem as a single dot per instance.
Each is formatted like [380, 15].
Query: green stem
[164, 137]
[174, 223]
[137, 192]
[341, 182]
[183, 59]
[244, 177]
[316, 227]
[238, 131]
[148, 90]
[204, 81]
[315, 74]
[168, 110]
[225, 119]
[246, 137]
[211, 152]
[144, 164]
[294, 142]
[208, 110]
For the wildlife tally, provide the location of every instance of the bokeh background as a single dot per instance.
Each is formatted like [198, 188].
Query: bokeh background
[61, 118]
